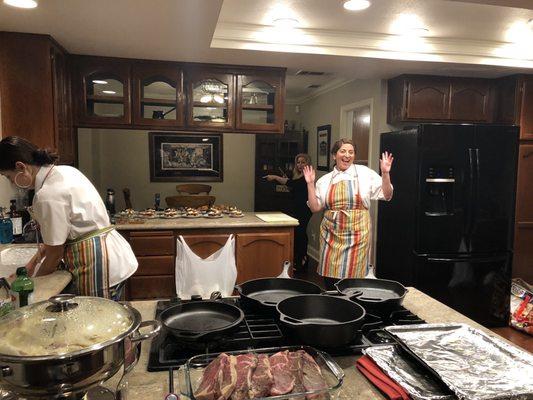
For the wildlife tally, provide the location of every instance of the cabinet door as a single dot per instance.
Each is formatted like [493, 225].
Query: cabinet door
[260, 103]
[526, 109]
[470, 100]
[523, 251]
[261, 255]
[65, 135]
[205, 245]
[524, 199]
[210, 99]
[103, 92]
[157, 94]
[427, 98]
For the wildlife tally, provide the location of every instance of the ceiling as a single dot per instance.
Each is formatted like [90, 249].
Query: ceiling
[485, 38]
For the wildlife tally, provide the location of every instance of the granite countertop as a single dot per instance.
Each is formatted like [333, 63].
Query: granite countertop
[153, 385]
[249, 220]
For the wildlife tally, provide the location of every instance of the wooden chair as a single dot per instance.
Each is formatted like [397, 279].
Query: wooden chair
[190, 201]
[193, 188]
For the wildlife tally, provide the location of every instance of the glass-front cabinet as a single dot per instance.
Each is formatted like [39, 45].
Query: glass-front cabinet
[259, 102]
[210, 102]
[105, 92]
[158, 95]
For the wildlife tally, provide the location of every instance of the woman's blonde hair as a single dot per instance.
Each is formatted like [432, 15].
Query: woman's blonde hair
[295, 173]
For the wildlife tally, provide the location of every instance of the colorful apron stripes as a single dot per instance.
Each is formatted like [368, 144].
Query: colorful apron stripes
[86, 258]
[344, 232]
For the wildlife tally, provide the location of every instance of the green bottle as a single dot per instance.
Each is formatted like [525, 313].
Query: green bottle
[6, 304]
[22, 287]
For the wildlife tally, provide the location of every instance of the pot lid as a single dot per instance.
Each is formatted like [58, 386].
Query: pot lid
[63, 324]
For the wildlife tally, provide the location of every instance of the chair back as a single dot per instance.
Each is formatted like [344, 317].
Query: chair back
[193, 188]
[193, 201]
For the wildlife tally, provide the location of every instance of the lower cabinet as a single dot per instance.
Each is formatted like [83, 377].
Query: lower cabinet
[259, 253]
[523, 252]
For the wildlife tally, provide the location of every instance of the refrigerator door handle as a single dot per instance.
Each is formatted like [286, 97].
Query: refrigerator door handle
[470, 193]
[467, 259]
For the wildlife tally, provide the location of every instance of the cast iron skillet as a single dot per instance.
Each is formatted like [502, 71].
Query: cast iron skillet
[320, 320]
[201, 320]
[264, 294]
[379, 296]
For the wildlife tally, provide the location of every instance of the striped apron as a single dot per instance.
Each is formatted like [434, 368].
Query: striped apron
[344, 232]
[86, 258]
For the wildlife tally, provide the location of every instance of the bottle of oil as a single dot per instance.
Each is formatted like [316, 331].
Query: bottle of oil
[22, 288]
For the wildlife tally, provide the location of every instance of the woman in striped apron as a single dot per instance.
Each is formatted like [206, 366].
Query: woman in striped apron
[344, 194]
[73, 221]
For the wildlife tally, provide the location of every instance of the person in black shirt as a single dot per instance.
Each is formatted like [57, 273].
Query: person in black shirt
[300, 210]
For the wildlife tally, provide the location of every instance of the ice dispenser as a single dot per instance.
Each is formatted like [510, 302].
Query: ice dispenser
[438, 196]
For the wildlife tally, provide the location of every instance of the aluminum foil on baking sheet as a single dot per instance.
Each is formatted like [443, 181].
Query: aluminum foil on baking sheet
[412, 377]
[471, 363]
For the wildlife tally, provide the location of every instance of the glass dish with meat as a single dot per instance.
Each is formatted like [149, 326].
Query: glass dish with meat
[293, 372]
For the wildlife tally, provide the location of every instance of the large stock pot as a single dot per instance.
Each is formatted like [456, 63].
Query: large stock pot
[67, 344]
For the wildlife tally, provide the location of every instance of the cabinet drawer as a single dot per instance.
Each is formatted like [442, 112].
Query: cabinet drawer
[152, 244]
[151, 287]
[155, 265]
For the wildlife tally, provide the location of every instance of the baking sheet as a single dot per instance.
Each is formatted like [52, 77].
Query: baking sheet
[471, 363]
[414, 379]
[275, 217]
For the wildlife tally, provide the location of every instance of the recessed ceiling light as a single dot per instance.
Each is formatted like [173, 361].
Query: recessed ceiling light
[285, 23]
[356, 5]
[99, 82]
[21, 3]
[109, 92]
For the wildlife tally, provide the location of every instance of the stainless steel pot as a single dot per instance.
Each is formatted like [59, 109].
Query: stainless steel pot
[49, 368]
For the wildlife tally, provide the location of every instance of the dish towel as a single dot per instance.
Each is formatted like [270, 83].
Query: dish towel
[380, 379]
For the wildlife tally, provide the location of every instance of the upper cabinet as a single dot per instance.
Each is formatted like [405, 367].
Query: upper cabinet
[439, 99]
[102, 91]
[210, 102]
[144, 94]
[515, 103]
[260, 102]
[157, 95]
[35, 93]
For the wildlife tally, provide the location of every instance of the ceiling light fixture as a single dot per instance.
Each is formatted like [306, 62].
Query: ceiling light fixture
[356, 5]
[285, 23]
[99, 82]
[21, 3]
[109, 92]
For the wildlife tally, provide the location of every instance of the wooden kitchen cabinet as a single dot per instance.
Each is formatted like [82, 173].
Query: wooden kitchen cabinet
[211, 95]
[515, 103]
[158, 94]
[205, 244]
[260, 102]
[524, 199]
[426, 98]
[102, 88]
[261, 255]
[523, 251]
[35, 93]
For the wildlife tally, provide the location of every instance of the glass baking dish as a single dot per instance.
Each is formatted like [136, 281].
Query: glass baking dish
[190, 374]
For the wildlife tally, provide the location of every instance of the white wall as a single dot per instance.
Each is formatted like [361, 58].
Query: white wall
[325, 110]
[113, 158]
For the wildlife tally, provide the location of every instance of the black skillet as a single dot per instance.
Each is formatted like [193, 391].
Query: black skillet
[201, 320]
[264, 294]
[377, 296]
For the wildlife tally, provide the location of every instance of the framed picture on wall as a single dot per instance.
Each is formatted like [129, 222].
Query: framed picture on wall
[176, 157]
[323, 138]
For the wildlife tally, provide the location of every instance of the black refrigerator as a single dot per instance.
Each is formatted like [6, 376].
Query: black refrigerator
[448, 230]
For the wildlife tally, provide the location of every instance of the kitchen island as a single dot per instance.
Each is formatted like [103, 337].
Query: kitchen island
[263, 241]
[145, 385]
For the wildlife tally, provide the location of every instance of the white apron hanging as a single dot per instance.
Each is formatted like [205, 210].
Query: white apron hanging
[199, 276]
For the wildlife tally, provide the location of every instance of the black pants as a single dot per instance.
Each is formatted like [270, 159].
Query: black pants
[300, 238]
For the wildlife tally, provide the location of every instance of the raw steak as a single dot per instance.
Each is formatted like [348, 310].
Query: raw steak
[312, 377]
[283, 379]
[245, 367]
[209, 383]
[227, 378]
[261, 378]
[295, 368]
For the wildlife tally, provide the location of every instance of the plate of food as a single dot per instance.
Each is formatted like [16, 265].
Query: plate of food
[213, 214]
[148, 213]
[236, 214]
[170, 213]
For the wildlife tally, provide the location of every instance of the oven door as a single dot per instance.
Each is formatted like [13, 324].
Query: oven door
[477, 287]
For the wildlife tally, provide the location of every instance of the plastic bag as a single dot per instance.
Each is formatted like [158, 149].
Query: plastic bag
[198, 276]
[522, 306]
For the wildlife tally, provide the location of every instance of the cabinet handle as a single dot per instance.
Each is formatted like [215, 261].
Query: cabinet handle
[527, 155]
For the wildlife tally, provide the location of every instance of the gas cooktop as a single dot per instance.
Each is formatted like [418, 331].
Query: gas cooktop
[260, 330]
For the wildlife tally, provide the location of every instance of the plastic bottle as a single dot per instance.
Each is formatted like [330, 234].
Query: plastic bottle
[22, 288]
[16, 219]
[6, 304]
[6, 228]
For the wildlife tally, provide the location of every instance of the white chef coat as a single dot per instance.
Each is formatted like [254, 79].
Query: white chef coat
[370, 183]
[67, 206]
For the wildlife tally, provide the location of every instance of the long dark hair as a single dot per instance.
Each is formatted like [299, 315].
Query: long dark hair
[14, 148]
